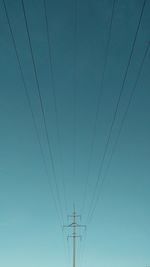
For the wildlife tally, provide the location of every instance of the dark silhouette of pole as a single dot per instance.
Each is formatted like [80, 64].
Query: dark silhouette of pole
[74, 225]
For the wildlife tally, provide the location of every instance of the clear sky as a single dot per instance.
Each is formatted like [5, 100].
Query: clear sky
[30, 226]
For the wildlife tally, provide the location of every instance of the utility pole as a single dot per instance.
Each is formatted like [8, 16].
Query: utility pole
[74, 225]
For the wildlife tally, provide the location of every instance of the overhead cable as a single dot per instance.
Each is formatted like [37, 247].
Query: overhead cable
[94, 196]
[54, 97]
[98, 105]
[42, 110]
[28, 100]
[132, 93]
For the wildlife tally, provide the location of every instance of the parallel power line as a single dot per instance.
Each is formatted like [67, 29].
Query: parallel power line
[130, 101]
[98, 105]
[123, 121]
[54, 97]
[29, 104]
[100, 93]
[42, 110]
[94, 195]
[120, 130]
[126, 112]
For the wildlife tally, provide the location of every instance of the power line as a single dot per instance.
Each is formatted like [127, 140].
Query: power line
[124, 118]
[94, 198]
[28, 100]
[98, 105]
[42, 108]
[125, 113]
[130, 100]
[54, 95]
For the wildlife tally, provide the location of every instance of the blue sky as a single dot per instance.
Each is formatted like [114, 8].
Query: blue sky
[30, 229]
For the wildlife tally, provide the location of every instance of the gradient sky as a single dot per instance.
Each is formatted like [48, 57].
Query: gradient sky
[30, 231]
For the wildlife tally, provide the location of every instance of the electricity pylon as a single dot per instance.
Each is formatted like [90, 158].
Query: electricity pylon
[74, 235]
